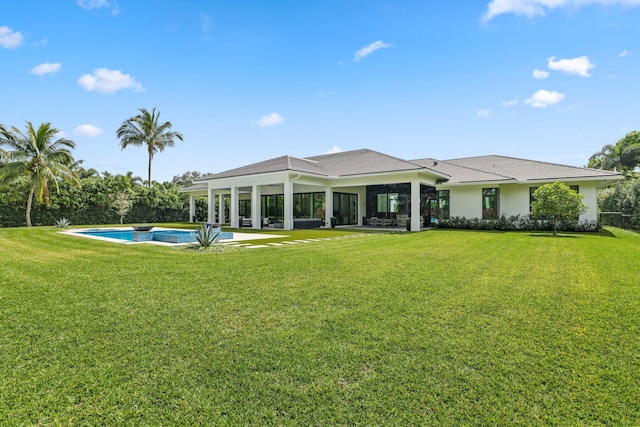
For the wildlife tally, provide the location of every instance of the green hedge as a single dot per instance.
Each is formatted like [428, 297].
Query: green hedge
[11, 216]
[514, 223]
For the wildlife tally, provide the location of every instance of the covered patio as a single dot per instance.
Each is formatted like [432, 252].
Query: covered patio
[291, 193]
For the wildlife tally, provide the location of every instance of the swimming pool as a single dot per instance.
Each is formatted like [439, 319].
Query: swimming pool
[133, 236]
[170, 236]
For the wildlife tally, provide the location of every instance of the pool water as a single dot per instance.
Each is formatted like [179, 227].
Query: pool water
[181, 236]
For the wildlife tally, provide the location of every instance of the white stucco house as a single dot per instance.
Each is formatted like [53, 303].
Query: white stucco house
[360, 186]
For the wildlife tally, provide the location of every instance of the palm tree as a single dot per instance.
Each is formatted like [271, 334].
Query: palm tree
[38, 157]
[82, 172]
[4, 134]
[133, 180]
[145, 129]
[624, 156]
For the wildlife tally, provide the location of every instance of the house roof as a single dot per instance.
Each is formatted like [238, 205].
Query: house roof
[461, 173]
[502, 168]
[278, 164]
[463, 170]
[358, 162]
[345, 163]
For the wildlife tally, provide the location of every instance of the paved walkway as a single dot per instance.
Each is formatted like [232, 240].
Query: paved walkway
[238, 243]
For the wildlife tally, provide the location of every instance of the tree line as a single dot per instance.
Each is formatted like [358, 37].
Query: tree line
[40, 177]
[624, 197]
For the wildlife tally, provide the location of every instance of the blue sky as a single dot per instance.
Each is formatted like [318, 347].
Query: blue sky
[550, 80]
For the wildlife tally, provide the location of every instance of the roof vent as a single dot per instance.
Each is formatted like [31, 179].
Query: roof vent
[435, 163]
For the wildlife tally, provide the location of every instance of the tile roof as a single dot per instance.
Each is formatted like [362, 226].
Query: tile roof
[345, 163]
[463, 170]
[363, 161]
[278, 164]
[525, 170]
[461, 173]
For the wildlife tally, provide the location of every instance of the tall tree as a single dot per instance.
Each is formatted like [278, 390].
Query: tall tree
[39, 157]
[187, 178]
[145, 129]
[558, 202]
[623, 156]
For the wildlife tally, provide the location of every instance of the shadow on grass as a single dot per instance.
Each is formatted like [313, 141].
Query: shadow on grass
[563, 236]
[606, 233]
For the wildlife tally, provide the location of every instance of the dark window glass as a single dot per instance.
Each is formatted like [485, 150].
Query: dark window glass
[443, 204]
[490, 203]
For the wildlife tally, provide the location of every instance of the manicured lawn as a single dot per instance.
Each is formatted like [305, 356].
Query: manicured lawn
[440, 327]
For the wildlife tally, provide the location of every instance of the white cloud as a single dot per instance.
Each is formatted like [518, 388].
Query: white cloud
[540, 74]
[510, 103]
[87, 130]
[93, 4]
[269, 120]
[532, 8]
[104, 80]
[335, 149]
[544, 98]
[368, 50]
[46, 68]
[99, 4]
[483, 114]
[10, 39]
[624, 53]
[579, 66]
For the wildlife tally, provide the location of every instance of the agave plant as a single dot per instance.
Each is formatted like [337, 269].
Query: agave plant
[206, 236]
[63, 223]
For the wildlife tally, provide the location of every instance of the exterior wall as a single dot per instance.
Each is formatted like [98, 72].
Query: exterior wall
[590, 194]
[466, 201]
[514, 199]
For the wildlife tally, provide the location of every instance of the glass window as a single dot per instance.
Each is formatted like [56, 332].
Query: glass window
[318, 205]
[383, 203]
[443, 204]
[308, 205]
[244, 208]
[273, 207]
[345, 207]
[531, 197]
[490, 203]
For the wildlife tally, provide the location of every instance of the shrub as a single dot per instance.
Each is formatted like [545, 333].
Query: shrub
[63, 223]
[515, 223]
[206, 236]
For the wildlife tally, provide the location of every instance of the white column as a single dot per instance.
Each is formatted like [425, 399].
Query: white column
[288, 205]
[415, 205]
[192, 208]
[233, 208]
[362, 205]
[328, 206]
[221, 214]
[211, 204]
[256, 215]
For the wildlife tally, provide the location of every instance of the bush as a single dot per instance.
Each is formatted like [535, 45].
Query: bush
[515, 223]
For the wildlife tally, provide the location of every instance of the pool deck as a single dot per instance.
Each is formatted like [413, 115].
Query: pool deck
[237, 236]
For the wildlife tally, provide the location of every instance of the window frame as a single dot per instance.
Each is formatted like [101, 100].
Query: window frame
[486, 214]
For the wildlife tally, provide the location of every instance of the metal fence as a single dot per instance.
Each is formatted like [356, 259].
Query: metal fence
[619, 219]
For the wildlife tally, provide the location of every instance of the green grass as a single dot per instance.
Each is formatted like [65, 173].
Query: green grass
[440, 327]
